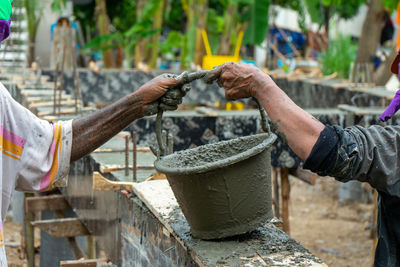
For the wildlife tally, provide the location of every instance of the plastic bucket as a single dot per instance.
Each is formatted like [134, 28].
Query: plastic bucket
[223, 189]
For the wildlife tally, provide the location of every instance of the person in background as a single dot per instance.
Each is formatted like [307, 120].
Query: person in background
[369, 155]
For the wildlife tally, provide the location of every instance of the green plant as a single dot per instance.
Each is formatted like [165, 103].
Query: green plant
[258, 22]
[129, 38]
[339, 56]
[174, 42]
[58, 5]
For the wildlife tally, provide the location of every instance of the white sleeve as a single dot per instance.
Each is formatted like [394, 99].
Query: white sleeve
[45, 156]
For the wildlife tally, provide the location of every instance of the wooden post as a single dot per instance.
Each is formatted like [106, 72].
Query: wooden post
[30, 236]
[157, 24]
[103, 22]
[285, 192]
[304, 175]
[276, 194]
[134, 156]
[90, 247]
[374, 228]
[127, 155]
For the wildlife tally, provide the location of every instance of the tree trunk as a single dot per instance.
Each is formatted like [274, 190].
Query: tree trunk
[103, 22]
[370, 34]
[189, 40]
[225, 43]
[31, 50]
[140, 48]
[383, 73]
[33, 23]
[157, 24]
[327, 16]
[202, 6]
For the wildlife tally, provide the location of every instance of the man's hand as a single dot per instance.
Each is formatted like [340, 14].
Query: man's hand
[241, 80]
[164, 92]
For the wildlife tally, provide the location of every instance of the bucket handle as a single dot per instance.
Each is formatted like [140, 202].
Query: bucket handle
[162, 146]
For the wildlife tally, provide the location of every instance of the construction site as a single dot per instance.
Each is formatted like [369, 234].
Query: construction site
[216, 182]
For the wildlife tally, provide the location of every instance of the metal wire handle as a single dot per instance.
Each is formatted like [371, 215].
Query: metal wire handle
[162, 147]
[264, 117]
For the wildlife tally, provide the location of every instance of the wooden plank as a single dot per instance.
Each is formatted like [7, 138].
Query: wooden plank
[72, 243]
[84, 263]
[157, 176]
[68, 227]
[42, 203]
[112, 150]
[41, 99]
[50, 104]
[102, 184]
[29, 236]
[304, 175]
[113, 168]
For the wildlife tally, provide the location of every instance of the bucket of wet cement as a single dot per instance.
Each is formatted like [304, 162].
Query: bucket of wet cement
[223, 189]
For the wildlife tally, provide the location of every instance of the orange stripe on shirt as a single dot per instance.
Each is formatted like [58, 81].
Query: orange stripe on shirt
[51, 175]
[11, 147]
[10, 155]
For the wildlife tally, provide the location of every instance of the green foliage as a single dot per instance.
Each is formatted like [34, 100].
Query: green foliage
[122, 15]
[173, 18]
[174, 42]
[258, 25]
[34, 12]
[129, 38]
[344, 9]
[339, 56]
[215, 24]
[391, 4]
[58, 5]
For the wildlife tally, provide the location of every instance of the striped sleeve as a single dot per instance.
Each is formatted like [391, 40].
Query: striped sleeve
[36, 153]
[46, 158]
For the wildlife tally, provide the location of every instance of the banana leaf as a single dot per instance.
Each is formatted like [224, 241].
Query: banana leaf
[258, 23]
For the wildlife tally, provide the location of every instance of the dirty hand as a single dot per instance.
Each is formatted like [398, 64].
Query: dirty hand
[164, 92]
[240, 80]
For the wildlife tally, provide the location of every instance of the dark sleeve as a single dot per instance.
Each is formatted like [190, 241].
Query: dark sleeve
[357, 153]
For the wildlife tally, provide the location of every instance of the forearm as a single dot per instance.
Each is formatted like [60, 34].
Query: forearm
[92, 131]
[298, 127]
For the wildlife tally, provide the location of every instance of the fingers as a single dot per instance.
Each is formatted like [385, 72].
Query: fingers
[215, 73]
[171, 102]
[185, 88]
[182, 78]
[168, 107]
[232, 94]
[174, 94]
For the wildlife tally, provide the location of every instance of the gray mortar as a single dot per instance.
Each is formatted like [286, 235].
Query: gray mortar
[224, 189]
[264, 241]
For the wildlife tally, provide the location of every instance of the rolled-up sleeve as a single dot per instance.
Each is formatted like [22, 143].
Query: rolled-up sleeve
[356, 153]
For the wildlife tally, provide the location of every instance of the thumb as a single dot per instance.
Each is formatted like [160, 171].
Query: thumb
[214, 74]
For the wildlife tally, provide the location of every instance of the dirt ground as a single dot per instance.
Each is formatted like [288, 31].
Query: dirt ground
[337, 234]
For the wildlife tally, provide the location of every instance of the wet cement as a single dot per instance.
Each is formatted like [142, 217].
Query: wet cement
[224, 189]
[266, 245]
[211, 153]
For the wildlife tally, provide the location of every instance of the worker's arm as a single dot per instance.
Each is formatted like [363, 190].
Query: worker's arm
[36, 154]
[95, 129]
[299, 128]
[368, 155]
